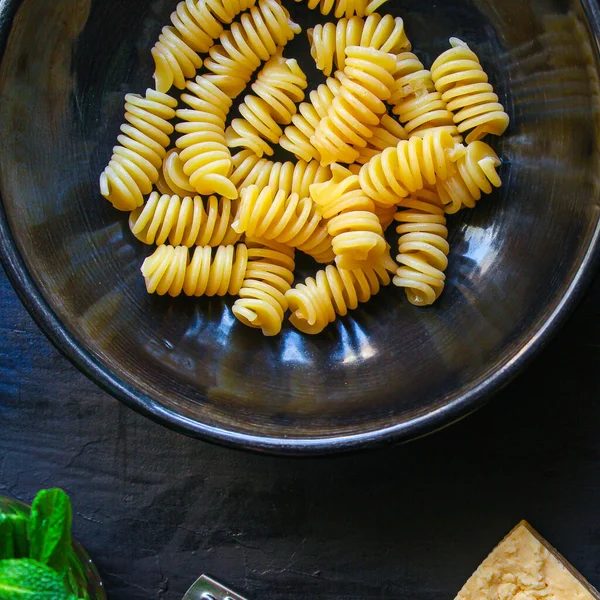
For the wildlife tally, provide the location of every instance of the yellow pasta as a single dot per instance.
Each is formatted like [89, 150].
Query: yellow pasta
[460, 78]
[228, 224]
[352, 223]
[249, 169]
[296, 138]
[170, 271]
[422, 247]
[136, 161]
[385, 214]
[415, 100]
[396, 172]
[185, 222]
[328, 42]
[260, 33]
[269, 275]
[475, 172]
[273, 215]
[278, 87]
[334, 291]
[359, 105]
[196, 24]
[345, 8]
[173, 177]
[387, 134]
[162, 186]
[203, 149]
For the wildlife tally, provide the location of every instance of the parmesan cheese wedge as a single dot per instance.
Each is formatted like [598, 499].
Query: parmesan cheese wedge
[524, 566]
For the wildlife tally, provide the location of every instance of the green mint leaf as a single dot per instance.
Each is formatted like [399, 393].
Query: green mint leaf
[26, 579]
[49, 529]
[13, 536]
[76, 578]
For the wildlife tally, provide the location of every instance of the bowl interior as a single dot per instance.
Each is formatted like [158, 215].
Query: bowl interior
[388, 368]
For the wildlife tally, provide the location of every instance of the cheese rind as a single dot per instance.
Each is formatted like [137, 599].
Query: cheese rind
[525, 567]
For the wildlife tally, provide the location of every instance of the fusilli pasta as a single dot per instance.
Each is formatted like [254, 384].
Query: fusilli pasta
[406, 168]
[422, 247]
[273, 215]
[334, 291]
[269, 275]
[162, 186]
[387, 134]
[328, 42]
[196, 24]
[345, 8]
[249, 169]
[475, 173]
[136, 161]
[185, 222]
[416, 102]
[278, 87]
[257, 36]
[385, 214]
[231, 224]
[359, 105]
[460, 78]
[352, 223]
[170, 271]
[204, 152]
[174, 177]
[296, 138]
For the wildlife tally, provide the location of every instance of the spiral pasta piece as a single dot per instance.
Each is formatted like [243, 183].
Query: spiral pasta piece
[278, 87]
[357, 235]
[422, 247]
[195, 26]
[296, 138]
[359, 105]
[136, 161]
[334, 291]
[387, 134]
[203, 148]
[328, 42]
[273, 215]
[463, 84]
[249, 169]
[185, 222]
[257, 36]
[173, 177]
[269, 275]
[162, 186]
[415, 100]
[385, 214]
[410, 77]
[396, 172]
[345, 8]
[476, 172]
[170, 271]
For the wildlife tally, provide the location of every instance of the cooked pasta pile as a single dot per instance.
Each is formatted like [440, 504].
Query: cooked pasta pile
[383, 140]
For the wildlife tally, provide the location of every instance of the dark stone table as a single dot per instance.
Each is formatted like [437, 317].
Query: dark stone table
[156, 509]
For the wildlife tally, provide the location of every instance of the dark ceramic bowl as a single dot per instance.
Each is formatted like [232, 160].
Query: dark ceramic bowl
[389, 371]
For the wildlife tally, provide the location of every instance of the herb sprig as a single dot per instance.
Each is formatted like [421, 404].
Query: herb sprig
[36, 550]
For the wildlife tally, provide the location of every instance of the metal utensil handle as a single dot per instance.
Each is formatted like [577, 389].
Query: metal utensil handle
[209, 589]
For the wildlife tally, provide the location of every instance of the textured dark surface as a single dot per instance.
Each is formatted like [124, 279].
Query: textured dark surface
[156, 509]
